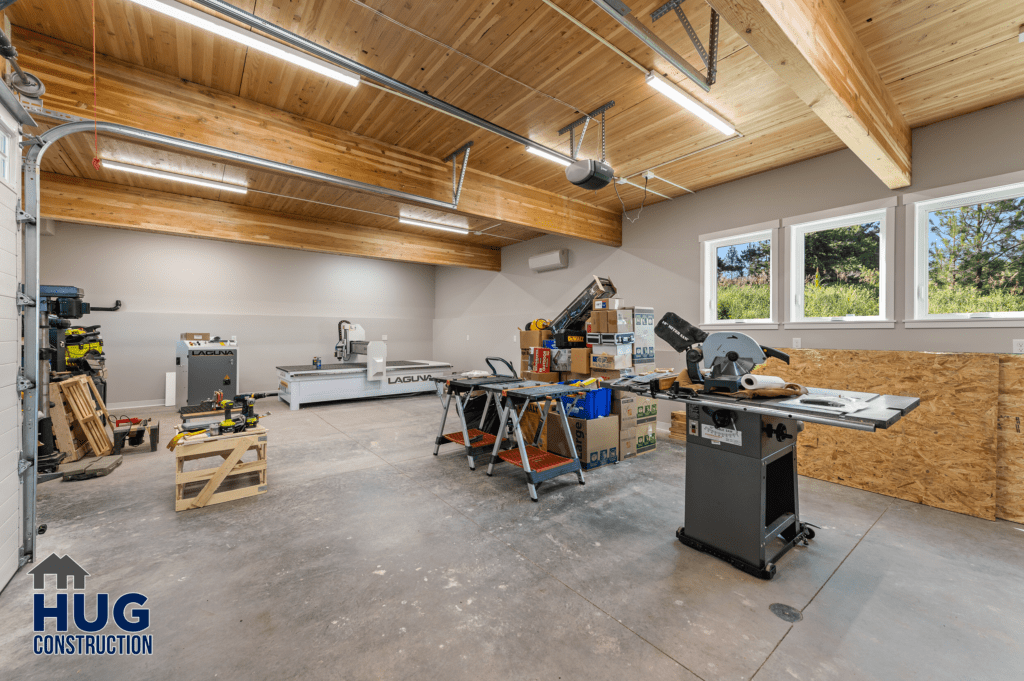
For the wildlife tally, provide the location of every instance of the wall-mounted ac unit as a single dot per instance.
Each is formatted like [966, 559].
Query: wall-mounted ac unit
[555, 260]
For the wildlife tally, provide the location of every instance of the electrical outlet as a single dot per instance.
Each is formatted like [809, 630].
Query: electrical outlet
[514, 338]
[1018, 346]
[383, 338]
[467, 336]
[796, 343]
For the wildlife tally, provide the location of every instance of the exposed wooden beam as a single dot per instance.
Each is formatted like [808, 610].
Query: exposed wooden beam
[152, 101]
[102, 203]
[811, 45]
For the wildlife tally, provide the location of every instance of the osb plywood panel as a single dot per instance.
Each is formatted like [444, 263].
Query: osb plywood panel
[1010, 462]
[943, 454]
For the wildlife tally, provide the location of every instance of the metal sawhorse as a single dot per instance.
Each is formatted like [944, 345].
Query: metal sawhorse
[474, 440]
[537, 464]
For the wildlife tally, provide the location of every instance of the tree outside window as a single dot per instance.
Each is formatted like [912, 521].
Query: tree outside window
[976, 258]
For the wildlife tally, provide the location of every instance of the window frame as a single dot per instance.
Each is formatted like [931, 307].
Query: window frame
[795, 230]
[920, 204]
[709, 244]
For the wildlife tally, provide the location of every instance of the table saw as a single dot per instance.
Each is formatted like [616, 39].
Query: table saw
[742, 501]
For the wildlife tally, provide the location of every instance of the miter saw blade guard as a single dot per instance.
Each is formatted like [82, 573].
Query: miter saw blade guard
[727, 355]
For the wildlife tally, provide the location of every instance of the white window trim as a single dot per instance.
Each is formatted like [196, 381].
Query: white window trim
[796, 227]
[917, 262]
[709, 244]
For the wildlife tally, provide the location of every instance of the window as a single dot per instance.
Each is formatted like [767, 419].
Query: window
[968, 254]
[737, 281]
[838, 268]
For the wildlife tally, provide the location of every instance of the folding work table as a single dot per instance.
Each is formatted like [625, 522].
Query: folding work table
[475, 441]
[537, 464]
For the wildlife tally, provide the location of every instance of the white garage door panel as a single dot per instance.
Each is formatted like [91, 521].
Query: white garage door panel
[8, 376]
[10, 491]
[9, 397]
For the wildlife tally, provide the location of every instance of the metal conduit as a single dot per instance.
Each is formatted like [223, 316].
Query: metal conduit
[295, 40]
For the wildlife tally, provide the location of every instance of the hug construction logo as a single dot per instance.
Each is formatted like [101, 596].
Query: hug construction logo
[84, 638]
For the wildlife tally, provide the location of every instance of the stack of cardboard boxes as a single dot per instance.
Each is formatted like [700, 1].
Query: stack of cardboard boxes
[624, 347]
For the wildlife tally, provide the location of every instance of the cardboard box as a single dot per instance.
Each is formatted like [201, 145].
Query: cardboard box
[598, 321]
[627, 443]
[619, 321]
[646, 438]
[561, 359]
[550, 377]
[540, 360]
[624, 406]
[573, 376]
[643, 332]
[533, 339]
[596, 440]
[611, 361]
[609, 338]
[580, 361]
[612, 350]
[608, 303]
[524, 360]
[646, 410]
[195, 336]
[531, 419]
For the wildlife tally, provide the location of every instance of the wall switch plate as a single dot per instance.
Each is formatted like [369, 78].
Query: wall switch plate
[514, 338]
[797, 343]
[467, 336]
[383, 338]
[1018, 346]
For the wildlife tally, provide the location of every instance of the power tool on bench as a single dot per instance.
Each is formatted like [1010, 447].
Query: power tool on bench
[727, 355]
[248, 418]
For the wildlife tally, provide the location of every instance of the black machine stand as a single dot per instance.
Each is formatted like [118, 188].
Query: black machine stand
[742, 503]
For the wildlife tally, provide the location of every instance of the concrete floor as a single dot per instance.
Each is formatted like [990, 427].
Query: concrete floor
[371, 559]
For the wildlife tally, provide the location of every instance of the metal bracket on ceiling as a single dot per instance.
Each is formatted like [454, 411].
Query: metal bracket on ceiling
[33, 108]
[574, 147]
[708, 56]
[458, 177]
[621, 12]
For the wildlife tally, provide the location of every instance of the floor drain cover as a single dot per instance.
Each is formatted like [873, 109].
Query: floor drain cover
[785, 612]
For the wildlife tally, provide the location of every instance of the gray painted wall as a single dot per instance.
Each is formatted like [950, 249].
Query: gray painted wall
[659, 262]
[283, 305]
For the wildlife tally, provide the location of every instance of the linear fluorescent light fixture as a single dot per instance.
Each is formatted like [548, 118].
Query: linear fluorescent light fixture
[688, 102]
[225, 29]
[164, 175]
[548, 155]
[432, 225]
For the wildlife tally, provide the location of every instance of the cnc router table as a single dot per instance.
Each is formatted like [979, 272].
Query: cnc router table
[742, 503]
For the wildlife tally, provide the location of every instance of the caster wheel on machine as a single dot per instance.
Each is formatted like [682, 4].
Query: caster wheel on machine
[808, 532]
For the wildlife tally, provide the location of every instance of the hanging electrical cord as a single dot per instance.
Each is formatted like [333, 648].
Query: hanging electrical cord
[625, 214]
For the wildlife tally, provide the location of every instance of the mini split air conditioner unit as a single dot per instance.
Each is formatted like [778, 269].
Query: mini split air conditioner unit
[555, 260]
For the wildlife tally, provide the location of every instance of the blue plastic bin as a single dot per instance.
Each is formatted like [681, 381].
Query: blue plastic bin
[593, 405]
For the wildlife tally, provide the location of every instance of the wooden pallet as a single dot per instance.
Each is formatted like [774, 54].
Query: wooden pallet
[85, 418]
[232, 480]
[90, 468]
[62, 433]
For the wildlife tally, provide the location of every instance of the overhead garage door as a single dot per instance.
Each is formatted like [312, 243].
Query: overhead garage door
[10, 352]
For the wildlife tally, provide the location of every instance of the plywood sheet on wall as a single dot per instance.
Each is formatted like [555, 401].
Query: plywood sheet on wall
[942, 454]
[1010, 463]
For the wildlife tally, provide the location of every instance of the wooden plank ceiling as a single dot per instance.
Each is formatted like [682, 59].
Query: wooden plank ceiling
[526, 67]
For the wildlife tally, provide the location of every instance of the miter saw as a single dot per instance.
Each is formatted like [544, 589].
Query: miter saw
[728, 356]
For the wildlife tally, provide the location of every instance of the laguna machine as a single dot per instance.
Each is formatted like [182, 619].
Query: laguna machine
[363, 370]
